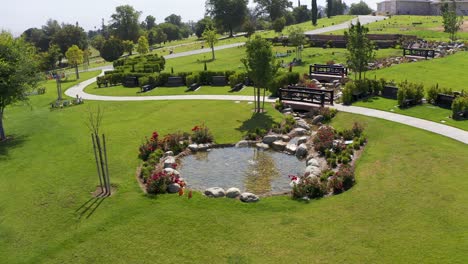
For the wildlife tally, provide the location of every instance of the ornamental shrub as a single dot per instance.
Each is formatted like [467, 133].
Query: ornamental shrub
[459, 105]
[323, 140]
[236, 78]
[192, 78]
[310, 187]
[201, 134]
[346, 175]
[347, 96]
[159, 181]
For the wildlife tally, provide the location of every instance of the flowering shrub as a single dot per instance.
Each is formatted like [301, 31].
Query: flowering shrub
[159, 182]
[201, 134]
[175, 142]
[148, 147]
[323, 140]
[346, 174]
[310, 187]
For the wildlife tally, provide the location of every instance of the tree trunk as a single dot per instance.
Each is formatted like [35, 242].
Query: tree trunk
[230, 31]
[255, 99]
[77, 72]
[263, 103]
[258, 100]
[2, 131]
[212, 53]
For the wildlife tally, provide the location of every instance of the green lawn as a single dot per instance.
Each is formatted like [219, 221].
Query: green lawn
[204, 90]
[425, 111]
[448, 72]
[409, 205]
[431, 27]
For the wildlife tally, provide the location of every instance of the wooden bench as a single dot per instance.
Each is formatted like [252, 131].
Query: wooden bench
[237, 87]
[194, 86]
[219, 81]
[146, 88]
[444, 100]
[390, 92]
[175, 82]
[328, 73]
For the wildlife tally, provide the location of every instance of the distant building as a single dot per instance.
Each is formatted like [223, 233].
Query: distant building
[418, 7]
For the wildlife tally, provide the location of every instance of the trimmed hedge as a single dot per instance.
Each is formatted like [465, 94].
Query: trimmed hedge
[282, 80]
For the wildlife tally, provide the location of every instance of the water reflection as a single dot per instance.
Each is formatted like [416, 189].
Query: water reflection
[248, 169]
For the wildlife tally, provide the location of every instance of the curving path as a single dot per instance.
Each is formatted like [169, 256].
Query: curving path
[448, 131]
[363, 19]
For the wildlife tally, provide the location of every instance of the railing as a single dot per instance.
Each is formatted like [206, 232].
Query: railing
[328, 69]
[306, 95]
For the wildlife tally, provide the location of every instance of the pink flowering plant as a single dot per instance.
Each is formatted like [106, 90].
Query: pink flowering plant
[147, 147]
[201, 134]
[159, 181]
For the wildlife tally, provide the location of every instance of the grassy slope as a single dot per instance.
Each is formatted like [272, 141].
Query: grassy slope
[425, 111]
[410, 203]
[430, 29]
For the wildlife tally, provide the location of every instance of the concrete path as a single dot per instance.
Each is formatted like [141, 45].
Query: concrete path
[363, 19]
[448, 131]
[200, 51]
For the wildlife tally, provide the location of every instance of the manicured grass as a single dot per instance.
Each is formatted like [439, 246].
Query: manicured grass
[431, 27]
[51, 85]
[409, 204]
[448, 72]
[425, 111]
[204, 90]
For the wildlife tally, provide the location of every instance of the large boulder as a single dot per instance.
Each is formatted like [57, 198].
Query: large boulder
[242, 144]
[262, 146]
[193, 147]
[171, 171]
[285, 138]
[233, 193]
[313, 171]
[317, 119]
[279, 145]
[173, 188]
[302, 140]
[291, 148]
[268, 139]
[215, 192]
[301, 123]
[313, 162]
[298, 131]
[169, 154]
[249, 197]
[169, 162]
[301, 151]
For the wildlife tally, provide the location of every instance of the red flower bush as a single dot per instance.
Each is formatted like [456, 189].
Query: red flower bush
[201, 134]
[323, 140]
[149, 146]
[159, 182]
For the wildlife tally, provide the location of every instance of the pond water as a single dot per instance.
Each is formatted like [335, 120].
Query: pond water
[249, 169]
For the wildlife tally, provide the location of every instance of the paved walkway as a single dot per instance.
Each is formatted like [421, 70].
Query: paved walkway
[363, 19]
[448, 131]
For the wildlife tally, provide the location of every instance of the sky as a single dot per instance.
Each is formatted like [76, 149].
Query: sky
[18, 15]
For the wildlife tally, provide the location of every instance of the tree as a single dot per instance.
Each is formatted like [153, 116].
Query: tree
[210, 37]
[174, 19]
[279, 24]
[172, 31]
[249, 28]
[124, 23]
[274, 8]
[360, 8]
[329, 8]
[70, 35]
[150, 22]
[227, 14]
[75, 57]
[98, 42]
[143, 46]
[19, 72]
[48, 59]
[156, 36]
[301, 14]
[360, 48]
[314, 12]
[451, 22]
[37, 37]
[128, 46]
[112, 49]
[297, 38]
[261, 66]
[203, 24]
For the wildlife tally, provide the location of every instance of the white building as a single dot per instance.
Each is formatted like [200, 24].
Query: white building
[418, 7]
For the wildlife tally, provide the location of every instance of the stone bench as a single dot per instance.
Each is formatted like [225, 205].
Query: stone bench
[175, 82]
[219, 81]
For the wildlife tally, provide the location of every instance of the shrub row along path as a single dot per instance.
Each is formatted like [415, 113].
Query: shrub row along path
[448, 131]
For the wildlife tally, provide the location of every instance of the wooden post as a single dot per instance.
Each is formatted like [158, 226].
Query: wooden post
[106, 165]
[97, 163]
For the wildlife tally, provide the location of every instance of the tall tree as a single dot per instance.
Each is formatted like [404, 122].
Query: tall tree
[274, 8]
[211, 38]
[261, 66]
[360, 48]
[49, 59]
[75, 57]
[301, 14]
[297, 38]
[172, 31]
[124, 23]
[112, 49]
[451, 22]
[143, 46]
[128, 46]
[203, 24]
[70, 35]
[19, 72]
[98, 42]
[227, 14]
[156, 36]
[279, 24]
[174, 19]
[37, 37]
[329, 8]
[314, 12]
[150, 22]
[360, 8]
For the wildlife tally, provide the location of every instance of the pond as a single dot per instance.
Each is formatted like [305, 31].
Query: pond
[249, 169]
